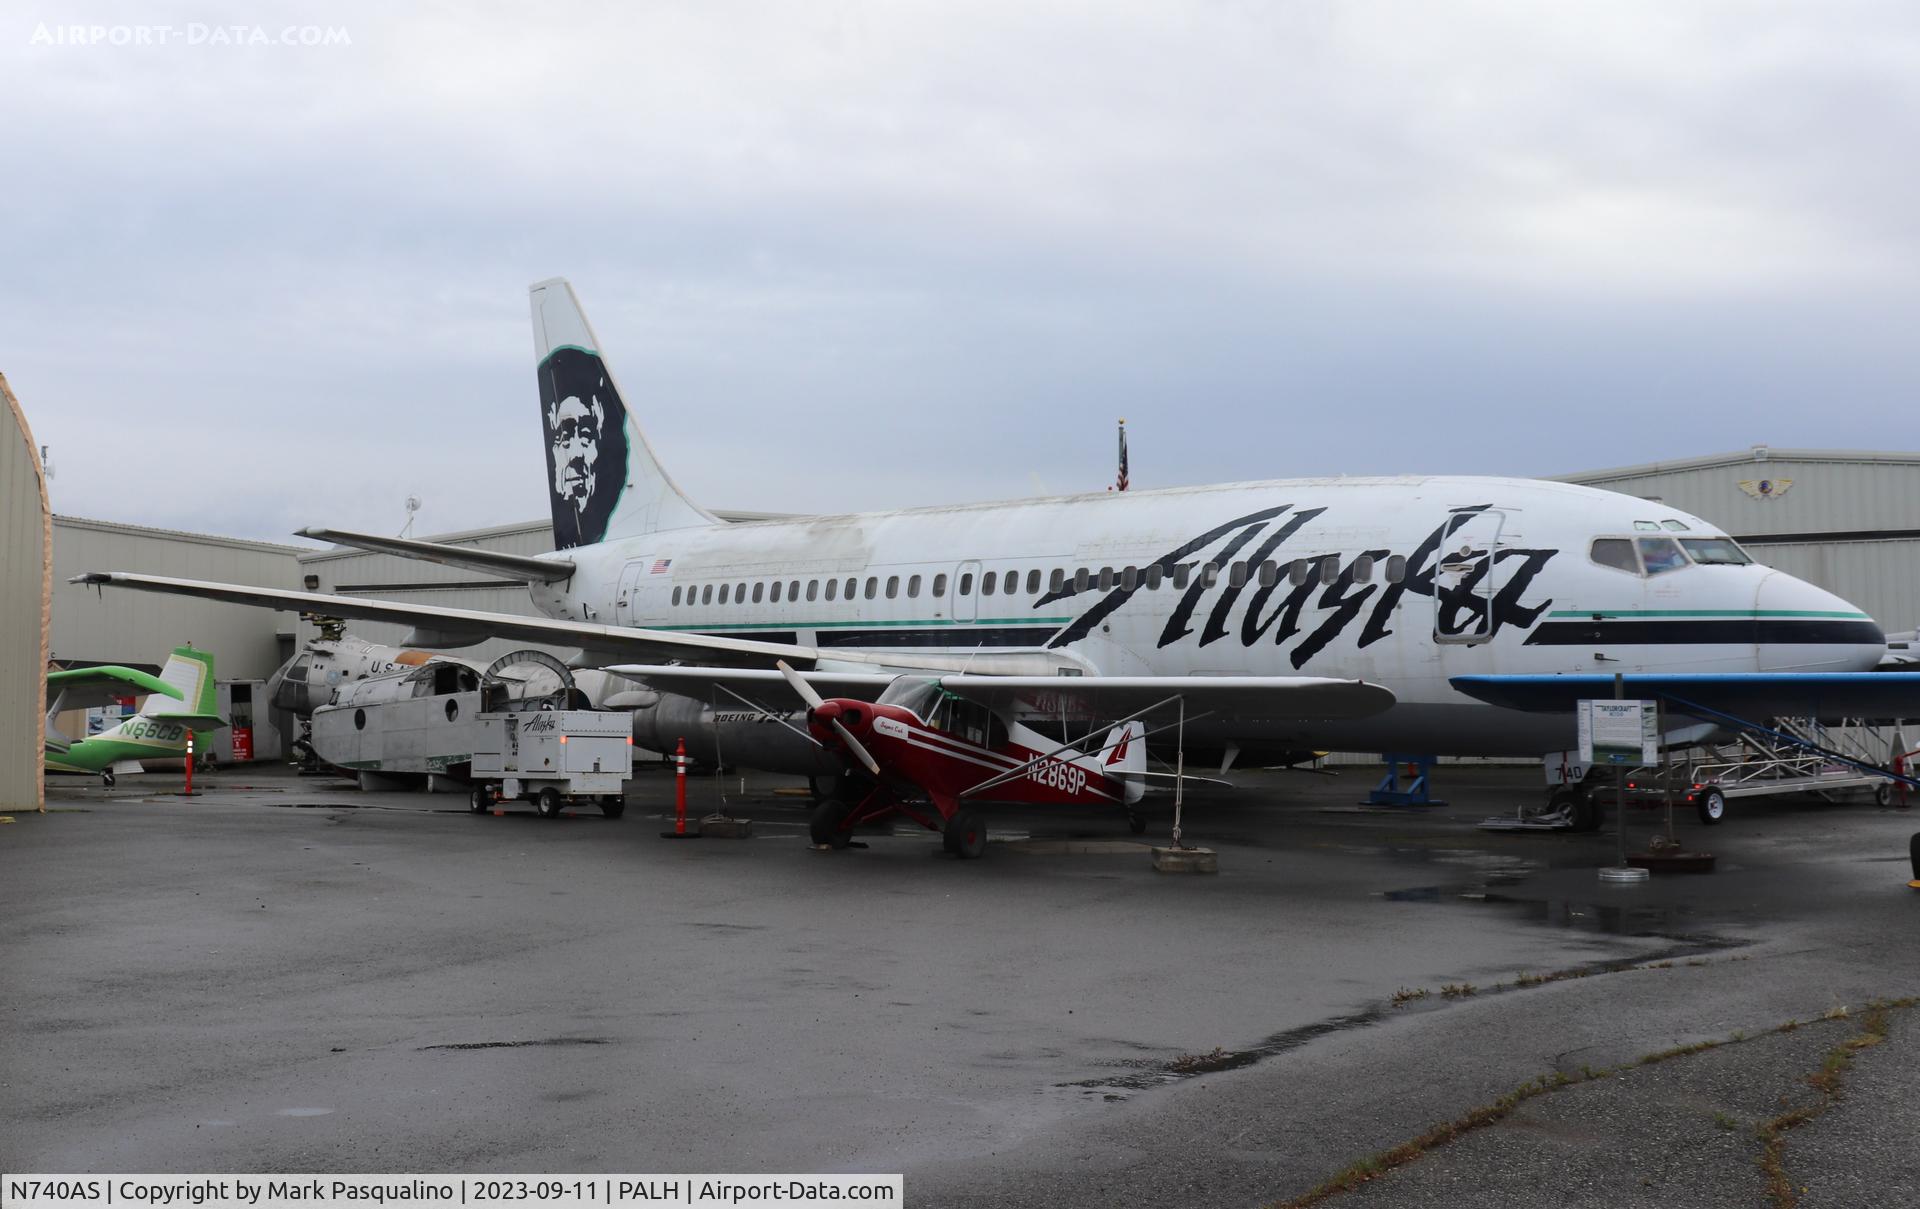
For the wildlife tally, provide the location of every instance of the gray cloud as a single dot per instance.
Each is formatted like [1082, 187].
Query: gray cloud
[862, 256]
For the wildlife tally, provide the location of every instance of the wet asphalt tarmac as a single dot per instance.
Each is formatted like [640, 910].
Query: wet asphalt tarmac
[286, 975]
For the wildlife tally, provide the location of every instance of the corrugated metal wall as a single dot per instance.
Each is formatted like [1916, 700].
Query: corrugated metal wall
[1857, 515]
[23, 611]
[118, 626]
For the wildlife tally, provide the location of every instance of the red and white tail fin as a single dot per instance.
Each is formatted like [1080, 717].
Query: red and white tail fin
[1126, 758]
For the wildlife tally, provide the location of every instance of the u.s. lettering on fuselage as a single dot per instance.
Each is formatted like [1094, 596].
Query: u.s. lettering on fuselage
[1317, 613]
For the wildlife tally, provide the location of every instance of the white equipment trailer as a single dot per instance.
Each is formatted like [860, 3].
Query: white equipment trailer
[553, 758]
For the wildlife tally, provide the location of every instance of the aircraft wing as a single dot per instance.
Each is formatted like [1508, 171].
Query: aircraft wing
[436, 625]
[1241, 698]
[761, 685]
[1750, 696]
[513, 566]
[89, 687]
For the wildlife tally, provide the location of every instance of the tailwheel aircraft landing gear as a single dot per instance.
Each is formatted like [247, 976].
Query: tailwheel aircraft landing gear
[827, 824]
[106, 777]
[965, 835]
[1136, 822]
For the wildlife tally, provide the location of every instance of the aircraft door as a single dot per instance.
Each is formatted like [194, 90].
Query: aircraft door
[1466, 579]
[626, 602]
[966, 591]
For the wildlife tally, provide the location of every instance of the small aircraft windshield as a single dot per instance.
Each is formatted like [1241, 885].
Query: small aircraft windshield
[1715, 551]
[918, 694]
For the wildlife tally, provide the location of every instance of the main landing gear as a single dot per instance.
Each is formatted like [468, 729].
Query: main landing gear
[962, 831]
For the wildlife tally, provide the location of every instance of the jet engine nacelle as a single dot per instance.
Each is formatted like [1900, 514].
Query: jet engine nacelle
[732, 736]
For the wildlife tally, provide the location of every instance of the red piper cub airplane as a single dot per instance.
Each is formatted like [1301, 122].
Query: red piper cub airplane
[937, 745]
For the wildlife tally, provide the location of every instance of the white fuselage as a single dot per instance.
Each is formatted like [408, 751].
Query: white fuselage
[1403, 582]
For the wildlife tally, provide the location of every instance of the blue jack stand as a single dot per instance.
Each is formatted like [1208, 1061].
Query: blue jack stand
[1389, 793]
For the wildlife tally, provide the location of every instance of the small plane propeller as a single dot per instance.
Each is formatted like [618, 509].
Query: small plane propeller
[814, 701]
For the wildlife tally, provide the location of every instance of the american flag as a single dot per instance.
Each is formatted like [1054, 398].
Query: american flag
[660, 566]
[1121, 485]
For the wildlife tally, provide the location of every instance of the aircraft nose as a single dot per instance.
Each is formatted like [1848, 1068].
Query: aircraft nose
[1803, 628]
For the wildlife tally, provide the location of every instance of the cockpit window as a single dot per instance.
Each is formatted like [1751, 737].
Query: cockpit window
[1676, 526]
[1647, 526]
[1661, 554]
[1715, 551]
[1615, 552]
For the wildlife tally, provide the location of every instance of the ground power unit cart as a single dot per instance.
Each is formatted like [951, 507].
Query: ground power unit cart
[554, 759]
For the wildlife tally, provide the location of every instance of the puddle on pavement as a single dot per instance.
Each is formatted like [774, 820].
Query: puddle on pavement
[539, 1042]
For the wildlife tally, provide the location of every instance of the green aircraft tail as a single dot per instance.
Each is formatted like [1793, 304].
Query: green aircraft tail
[191, 672]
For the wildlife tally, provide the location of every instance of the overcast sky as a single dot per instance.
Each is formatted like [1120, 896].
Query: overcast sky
[863, 256]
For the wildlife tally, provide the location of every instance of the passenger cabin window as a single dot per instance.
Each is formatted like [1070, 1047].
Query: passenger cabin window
[1661, 554]
[1033, 582]
[740, 594]
[793, 590]
[1715, 551]
[848, 590]
[1209, 575]
[1012, 585]
[813, 589]
[1330, 569]
[1269, 574]
[1297, 571]
[913, 587]
[939, 585]
[724, 593]
[759, 591]
[833, 589]
[676, 596]
[1106, 579]
[1129, 578]
[774, 594]
[1081, 579]
[1615, 552]
[893, 587]
[1181, 574]
[966, 584]
[873, 586]
[1363, 568]
[986, 583]
[1056, 580]
[706, 594]
[1153, 577]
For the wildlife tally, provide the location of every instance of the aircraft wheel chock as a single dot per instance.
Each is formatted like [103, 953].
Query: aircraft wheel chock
[824, 825]
[548, 803]
[965, 835]
[1712, 806]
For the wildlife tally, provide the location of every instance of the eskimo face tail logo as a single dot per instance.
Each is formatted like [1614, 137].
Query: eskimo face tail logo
[586, 429]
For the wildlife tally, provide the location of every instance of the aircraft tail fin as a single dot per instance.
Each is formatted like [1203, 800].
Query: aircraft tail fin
[603, 480]
[198, 707]
[1126, 758]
